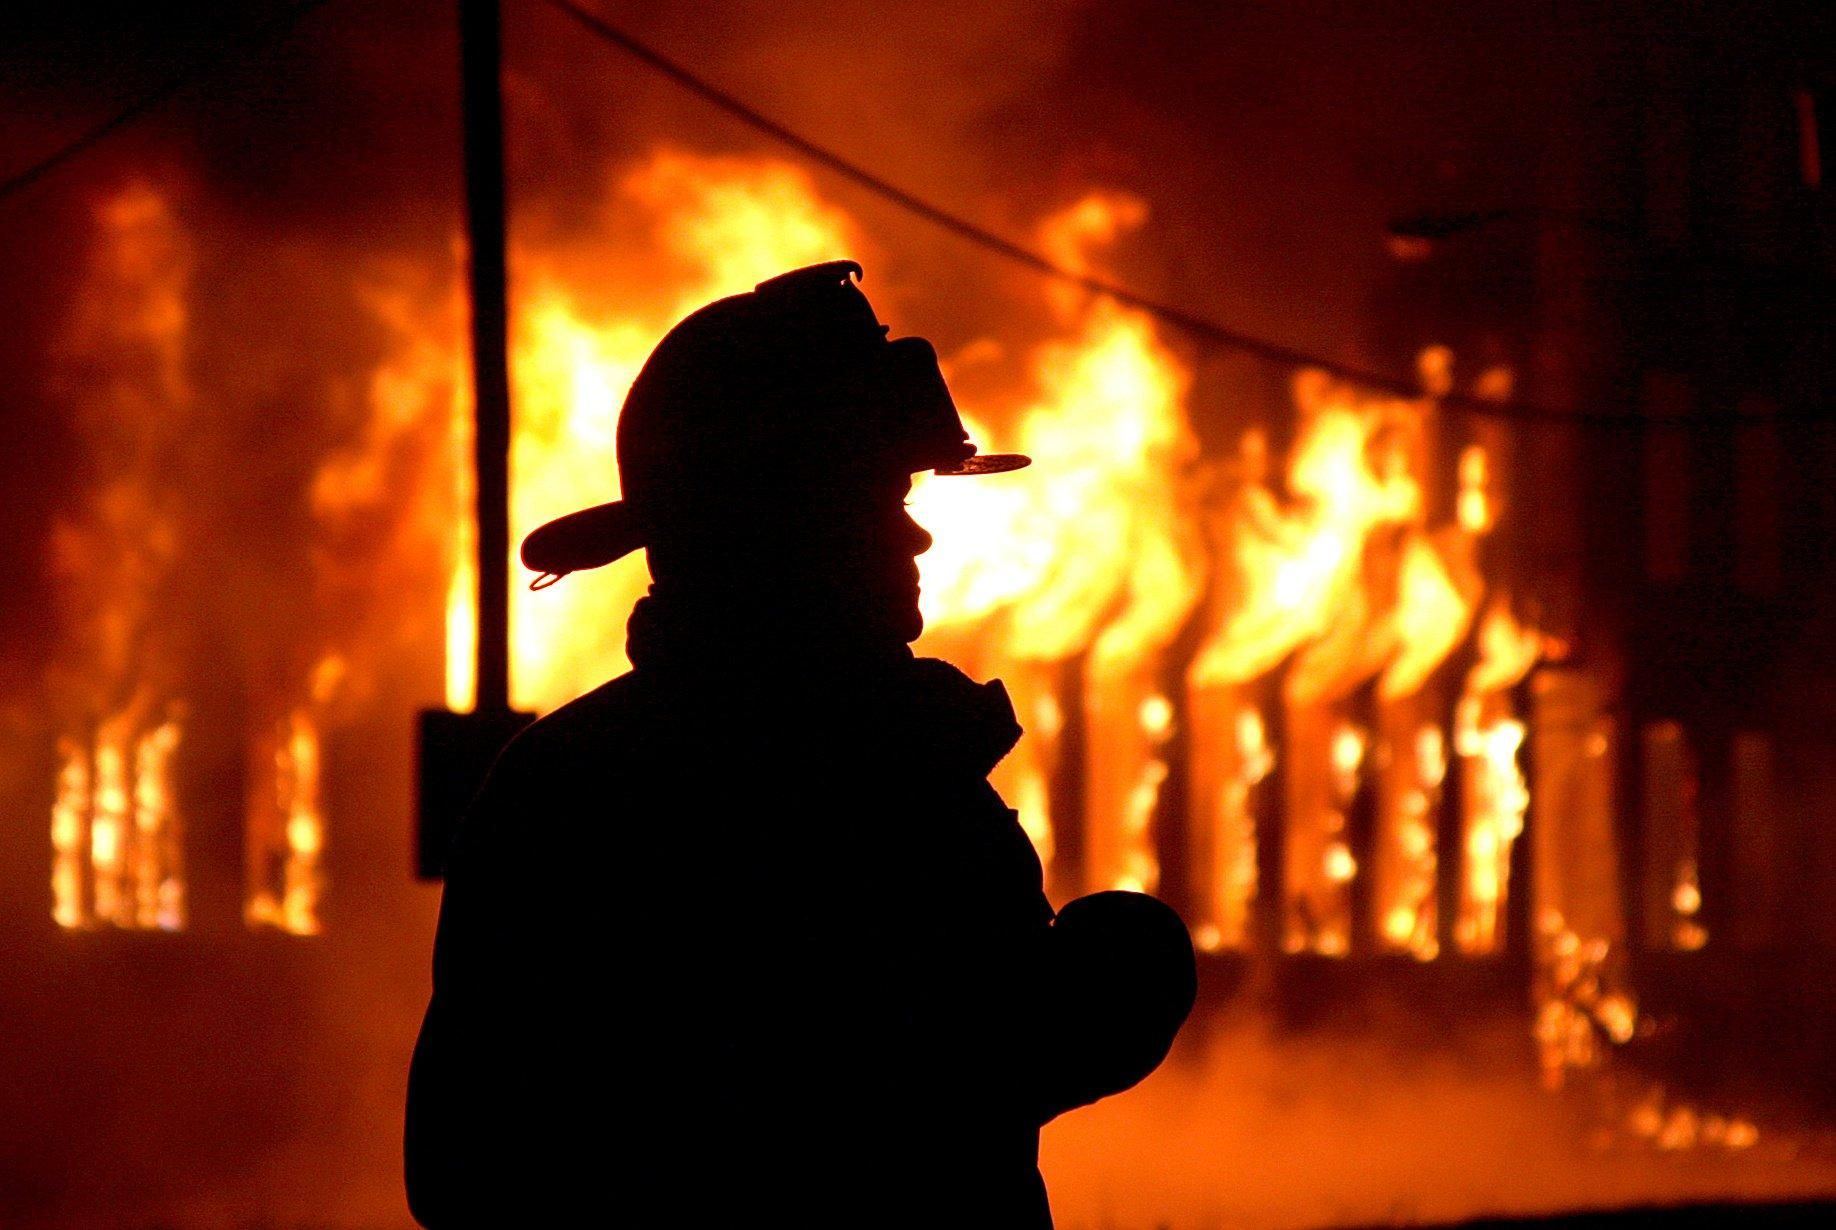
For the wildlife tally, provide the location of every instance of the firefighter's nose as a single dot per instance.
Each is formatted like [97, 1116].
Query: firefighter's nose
[918, 540]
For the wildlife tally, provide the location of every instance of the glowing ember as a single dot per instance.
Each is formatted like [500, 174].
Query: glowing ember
[1687, 932]
[1474, 507]
[1581, 1009]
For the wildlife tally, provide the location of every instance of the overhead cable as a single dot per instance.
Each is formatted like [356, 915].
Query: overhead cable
[262, 36]
[1190, 322]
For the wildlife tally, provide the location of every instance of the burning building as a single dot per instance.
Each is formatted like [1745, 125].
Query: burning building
[1476, 723]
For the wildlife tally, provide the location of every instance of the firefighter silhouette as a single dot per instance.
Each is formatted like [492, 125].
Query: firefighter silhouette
[745, 935]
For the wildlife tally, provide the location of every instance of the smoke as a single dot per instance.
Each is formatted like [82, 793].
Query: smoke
[1393, 1113]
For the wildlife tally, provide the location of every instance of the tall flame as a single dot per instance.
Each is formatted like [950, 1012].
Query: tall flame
[1488, 736]
[1091, 550]
[1344, 582]
[1088, 551]
[723, 225]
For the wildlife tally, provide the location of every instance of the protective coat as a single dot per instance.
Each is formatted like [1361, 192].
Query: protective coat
[727, 943]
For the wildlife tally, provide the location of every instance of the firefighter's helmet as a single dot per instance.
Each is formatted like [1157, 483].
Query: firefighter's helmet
[794, 381]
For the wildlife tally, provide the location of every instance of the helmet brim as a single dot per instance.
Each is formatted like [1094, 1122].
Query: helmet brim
[605, 533]
[986, 463]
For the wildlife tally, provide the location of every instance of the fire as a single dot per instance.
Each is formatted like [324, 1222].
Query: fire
[114, 838]
[1094, 523]
[1287, 573]
[1342, 582]
[1488, 736]
[723, 225]
[285, 831]
[1322, 584]
[1225, 779]
[69, 816]
[1091, 551]
[1070, 580]
[1409, 920]
[116, 829]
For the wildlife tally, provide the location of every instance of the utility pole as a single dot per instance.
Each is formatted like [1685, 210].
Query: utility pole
[482, 112]
[457, 749]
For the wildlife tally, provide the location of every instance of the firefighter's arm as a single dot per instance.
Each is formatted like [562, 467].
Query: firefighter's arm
[1116, 980]
[1063, 1011]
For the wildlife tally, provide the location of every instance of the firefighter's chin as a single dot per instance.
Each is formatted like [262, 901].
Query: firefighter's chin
[913, 622]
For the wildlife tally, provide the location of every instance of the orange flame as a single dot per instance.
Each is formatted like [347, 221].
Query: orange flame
[115, 828]
[1087, 551]
[1344, 582]
[1093, 549]
[1487, 735]
[723, 225]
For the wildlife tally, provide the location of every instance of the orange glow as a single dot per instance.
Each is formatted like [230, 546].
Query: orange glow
[1236, 759]
[116, 832]
[722, 225]
[1686, 930]
[116, 854]
[1407, 865]
[286, 821]
[1495, 793]
[287, 835]
[1342, 581]
[69, 818]
[159, 887]
[1092, 549]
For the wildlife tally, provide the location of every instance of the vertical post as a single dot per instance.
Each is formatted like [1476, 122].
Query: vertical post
[457, 749]
[482, 112]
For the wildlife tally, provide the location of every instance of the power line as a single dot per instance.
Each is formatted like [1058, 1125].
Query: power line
[265, 34]
[1199, 326]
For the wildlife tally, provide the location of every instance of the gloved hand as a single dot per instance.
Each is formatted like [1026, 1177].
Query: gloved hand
[1125, 982]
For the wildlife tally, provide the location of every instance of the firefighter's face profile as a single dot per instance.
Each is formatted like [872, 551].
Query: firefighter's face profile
[855, 547]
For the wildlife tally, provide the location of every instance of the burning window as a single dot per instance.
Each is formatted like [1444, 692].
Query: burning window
[1672, 840]
[136, 753]
[117, 832]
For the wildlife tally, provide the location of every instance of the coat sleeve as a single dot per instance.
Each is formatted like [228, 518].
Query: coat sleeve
[1118, 980]
[1056, 1013]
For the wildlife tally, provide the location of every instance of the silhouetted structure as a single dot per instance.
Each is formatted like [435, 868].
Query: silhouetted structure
[745, 933]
